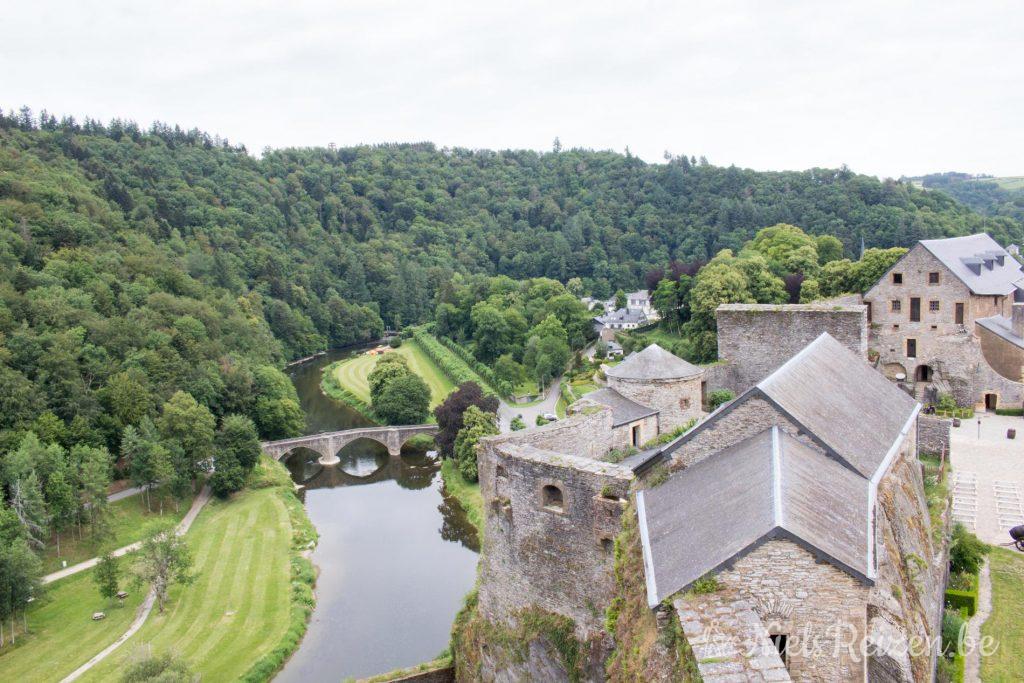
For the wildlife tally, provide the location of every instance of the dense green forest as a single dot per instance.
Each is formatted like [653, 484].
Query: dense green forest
[154, 282]
[982, 193]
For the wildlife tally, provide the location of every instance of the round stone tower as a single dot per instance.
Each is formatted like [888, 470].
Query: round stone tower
[660, 380]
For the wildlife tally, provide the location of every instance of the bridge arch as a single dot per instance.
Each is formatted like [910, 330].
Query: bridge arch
[328, 444]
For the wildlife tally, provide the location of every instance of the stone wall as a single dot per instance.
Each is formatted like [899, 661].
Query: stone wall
[817, 606]
[1002, 355]
[745, 420]
[587, 433]
[677, 400]
[933, 434]
[555, 557]
[622, 436]
[720, 375]
[757, 338]
[951, 351]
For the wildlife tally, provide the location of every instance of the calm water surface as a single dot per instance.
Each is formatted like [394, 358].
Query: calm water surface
[396, 555]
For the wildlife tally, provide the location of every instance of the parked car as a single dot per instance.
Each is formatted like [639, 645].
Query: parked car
[550, 417]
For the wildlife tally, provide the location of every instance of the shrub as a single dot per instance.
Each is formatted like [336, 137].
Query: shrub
[706, 584]
[966, 551]
[517, 423]
[164, 668]
[962, 600]
[395, 342]
[946, 402]
[1010, 412]
[953, 626]
[718, 397]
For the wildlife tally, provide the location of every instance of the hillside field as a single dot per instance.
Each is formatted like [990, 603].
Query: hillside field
[352, 374]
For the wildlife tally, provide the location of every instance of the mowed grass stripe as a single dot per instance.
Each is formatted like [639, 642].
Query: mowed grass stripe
[354, 373]
[239, 548]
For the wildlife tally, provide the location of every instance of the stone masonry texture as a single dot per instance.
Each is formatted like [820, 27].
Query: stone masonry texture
[755, 339]
[677, 400]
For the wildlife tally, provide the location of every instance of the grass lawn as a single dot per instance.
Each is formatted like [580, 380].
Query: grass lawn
[1010, 182]
[238, 608]
[1006, 623]
[63, 635]
[467, 493]
[130, 522]
[352, 374]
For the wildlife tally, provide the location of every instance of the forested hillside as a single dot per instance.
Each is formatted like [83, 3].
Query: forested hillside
[137, 263]
[984, 194]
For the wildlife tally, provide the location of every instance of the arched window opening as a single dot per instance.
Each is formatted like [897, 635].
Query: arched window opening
[552, 499]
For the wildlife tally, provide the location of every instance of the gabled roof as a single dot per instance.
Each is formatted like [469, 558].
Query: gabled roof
[653, 363]
[623, 315]
[847, 406]
[770, 485]
[975, 260]
[624, 410]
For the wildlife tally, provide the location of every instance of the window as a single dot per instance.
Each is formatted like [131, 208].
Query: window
[911, 348]
[897, 278]
[933, 278]
[780, 641]
[915, 310]
[896, 305]
[959, 317]
[551, 498]
[933, 306]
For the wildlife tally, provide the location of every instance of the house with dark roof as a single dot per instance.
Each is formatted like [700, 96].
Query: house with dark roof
[801, 469]
[932, 310]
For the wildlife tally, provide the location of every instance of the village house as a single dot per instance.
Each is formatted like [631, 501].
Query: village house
[942, 320]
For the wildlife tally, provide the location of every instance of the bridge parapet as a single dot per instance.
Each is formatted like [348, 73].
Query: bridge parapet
[327, 444]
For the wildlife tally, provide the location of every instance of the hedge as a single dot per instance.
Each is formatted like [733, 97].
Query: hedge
[960, 599]
[486, 373]
[1012, 412]
[454, 367]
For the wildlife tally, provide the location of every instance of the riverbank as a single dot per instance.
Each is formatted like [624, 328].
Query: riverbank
[467, 493]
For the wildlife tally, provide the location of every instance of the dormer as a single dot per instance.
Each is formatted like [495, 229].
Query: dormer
[973, 263]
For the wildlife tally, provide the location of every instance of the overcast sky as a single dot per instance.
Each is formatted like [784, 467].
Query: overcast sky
[888, 88]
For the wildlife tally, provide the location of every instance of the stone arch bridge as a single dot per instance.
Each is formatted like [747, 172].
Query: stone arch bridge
[327, 444]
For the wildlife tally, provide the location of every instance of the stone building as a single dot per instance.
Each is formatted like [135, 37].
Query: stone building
[930, 312]
[804, 494]
[818, 504]
[1002, 342]
[755, 339]
[658, 379]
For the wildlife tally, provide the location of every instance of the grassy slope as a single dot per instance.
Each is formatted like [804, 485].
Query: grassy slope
[130, 522]
[468, 494]
[1010, 182]
[63, 634]
[1006, 623]
[238, 608]
[352, 374]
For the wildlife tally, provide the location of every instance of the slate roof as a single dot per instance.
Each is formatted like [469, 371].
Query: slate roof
[770, 485]
[849, 407]
[1002, 326]
[624, 410]
[623, 315]
[958, 254]
[653, 363]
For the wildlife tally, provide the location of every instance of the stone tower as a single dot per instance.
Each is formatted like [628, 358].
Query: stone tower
[658, 379]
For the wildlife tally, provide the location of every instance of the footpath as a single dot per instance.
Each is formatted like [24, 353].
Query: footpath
[147, 605]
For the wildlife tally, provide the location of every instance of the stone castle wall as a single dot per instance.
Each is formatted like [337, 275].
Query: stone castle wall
[818, 606]
[933, 434]
[1003, 356]
[677, 400]
[758, 338]
[622, 436]
[557, 558]
[748, 419]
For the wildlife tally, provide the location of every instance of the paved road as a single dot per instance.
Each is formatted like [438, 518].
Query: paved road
[507, 411]
[147, 605]
[124, 493]
[988, 476]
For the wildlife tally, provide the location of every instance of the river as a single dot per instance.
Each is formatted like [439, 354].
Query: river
[396, 554]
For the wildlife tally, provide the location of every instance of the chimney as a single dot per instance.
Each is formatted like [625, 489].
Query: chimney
[1018, 319]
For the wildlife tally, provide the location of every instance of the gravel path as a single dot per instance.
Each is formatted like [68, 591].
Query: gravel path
[147, 605]
[507, 411]
[972, 665]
